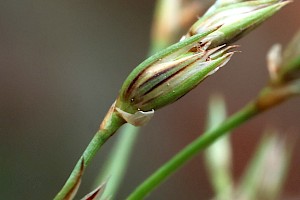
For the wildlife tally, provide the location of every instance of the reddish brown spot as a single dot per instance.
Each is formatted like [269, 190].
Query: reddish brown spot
[107, 117]
[131, 86]
[93, 195]
[194, 49]
[166, 80]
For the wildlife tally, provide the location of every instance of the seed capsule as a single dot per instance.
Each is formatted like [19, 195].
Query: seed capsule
[165, 77]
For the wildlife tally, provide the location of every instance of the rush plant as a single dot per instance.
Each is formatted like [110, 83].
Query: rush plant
[173, 71]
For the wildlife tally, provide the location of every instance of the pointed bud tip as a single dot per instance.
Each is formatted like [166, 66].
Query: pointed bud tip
[169, 77]
[97, 193]
[227, 57]
[281, 4]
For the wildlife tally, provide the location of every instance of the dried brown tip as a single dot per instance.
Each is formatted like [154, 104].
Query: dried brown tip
[72, 192]
[97, 193]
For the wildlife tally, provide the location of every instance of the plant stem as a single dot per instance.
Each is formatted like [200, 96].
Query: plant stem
[192, 149]
[217, 156]
[111, 123]
[118, 159]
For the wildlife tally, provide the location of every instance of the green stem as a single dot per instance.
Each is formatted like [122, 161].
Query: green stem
[193, 149]
[111, 123]
[118, 159]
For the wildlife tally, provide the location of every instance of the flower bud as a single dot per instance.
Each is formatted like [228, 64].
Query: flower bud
[235, 19]
[284, 67]
[167, 76]
[290, 65]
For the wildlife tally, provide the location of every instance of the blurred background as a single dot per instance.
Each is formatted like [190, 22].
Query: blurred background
[61, 66]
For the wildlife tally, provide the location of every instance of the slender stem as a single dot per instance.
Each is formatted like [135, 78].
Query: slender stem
[192, 149]
[111, 123]
[118, 159]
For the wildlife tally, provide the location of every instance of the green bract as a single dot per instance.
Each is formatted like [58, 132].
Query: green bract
[290, 69]
[236, 19]
[167, 76]
[284, 67]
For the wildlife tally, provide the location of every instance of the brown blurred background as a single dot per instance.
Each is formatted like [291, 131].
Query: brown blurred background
[61, 66]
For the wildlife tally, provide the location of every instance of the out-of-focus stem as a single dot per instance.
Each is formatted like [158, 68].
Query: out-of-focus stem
[193, 149]
[170, 18]
[266, 100]
[118, 159]
[165, 23]
[218, 156]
